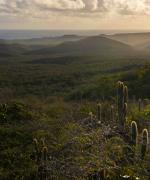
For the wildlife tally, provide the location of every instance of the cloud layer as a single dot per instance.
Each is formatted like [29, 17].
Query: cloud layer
[42, 8]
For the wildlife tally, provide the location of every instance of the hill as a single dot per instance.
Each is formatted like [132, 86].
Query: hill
[7, 50]
[46, 41]
[90, 46]
[138, 40]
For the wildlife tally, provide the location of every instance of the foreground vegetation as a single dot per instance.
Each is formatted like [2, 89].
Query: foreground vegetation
[75, 140]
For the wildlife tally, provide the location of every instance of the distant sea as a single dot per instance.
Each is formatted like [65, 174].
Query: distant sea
[30, 34]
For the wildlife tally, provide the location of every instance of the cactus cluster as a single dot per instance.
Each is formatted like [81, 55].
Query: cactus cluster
[110, 112]
[40, 155]
[134, 138]
[41, 151]
[122, 98]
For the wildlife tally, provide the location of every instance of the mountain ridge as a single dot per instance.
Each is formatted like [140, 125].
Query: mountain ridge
[136, 40]
[94, 45]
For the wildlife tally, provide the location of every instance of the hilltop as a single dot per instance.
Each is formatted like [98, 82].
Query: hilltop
[96, 45]
[137, 40]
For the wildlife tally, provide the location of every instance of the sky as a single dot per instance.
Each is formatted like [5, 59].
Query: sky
[75, 14]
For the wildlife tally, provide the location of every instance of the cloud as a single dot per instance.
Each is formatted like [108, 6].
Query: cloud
[91, 5]
[128, 6]
[60, 4]
[42, 8]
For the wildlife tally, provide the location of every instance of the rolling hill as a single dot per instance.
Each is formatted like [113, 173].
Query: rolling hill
[90, 46]
[137, 40]
[46, 41]
[8, 50]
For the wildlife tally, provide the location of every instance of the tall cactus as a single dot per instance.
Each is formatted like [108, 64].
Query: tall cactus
[43, 142]
[35, 141]
[44, 154]
[134, 133]
[122, 98]
[145, 142]
[41, 158]
[37, 153]
[102, 174]
[91, 116]
[99, 112]
[140, 105]
[112, 113]
[125, 94]
[44, 162]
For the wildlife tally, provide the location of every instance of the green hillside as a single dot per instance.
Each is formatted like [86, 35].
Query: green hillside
[64, 68]
[91, 46]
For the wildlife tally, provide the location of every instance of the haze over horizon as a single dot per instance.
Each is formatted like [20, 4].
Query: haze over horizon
[75, 14]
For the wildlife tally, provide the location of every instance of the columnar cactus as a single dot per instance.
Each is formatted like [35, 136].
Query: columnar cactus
[43, 142]
[122, 102]
[112, 113]
[99, 112]
[125, 94]
[134, 133]
[102, 174]
[44, 159]
[145, 142]
[140, 105]
[37, 153]
[35, 141]
[91, 116]
[44, 154]
[41, 159]
[125, 111]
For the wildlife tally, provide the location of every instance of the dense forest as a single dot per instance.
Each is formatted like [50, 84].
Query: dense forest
[75, 107]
